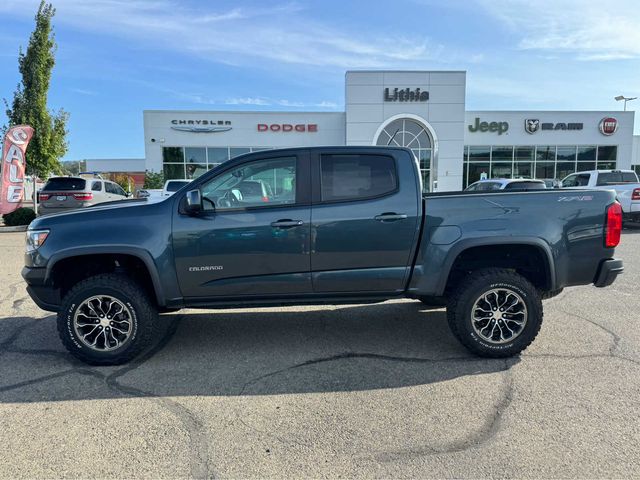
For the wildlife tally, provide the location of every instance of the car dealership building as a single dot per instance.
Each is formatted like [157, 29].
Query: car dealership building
[422, 110]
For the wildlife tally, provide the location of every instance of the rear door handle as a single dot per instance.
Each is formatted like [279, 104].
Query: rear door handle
[390, 217]
[286, 223]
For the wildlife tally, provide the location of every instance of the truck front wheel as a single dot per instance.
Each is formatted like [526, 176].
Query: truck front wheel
[495, 313]
[107, 319]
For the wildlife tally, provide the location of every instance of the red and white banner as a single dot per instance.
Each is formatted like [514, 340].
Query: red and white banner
[13, 167]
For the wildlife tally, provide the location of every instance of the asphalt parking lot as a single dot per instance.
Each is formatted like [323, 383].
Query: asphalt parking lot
[346, 391]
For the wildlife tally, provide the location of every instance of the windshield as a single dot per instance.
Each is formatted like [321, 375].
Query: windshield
[65, 183]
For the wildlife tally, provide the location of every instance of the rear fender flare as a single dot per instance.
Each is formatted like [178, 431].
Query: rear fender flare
[463, 245]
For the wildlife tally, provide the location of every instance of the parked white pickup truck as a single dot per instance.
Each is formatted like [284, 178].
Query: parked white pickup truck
[624, 182]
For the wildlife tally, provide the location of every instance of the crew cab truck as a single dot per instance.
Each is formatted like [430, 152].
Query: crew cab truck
[342, 225]
[623, 182]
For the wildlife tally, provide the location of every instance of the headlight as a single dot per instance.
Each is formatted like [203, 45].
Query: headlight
[35, 239]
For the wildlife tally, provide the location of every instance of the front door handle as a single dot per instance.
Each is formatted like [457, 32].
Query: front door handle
[286, 223]
[390, 217]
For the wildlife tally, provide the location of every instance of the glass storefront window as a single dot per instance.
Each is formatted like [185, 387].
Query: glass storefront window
[479, 153]
[566, 153]
[522, 169]
[535, 161]
[196, 160]
[173, 171]
[582, 166]
[524, 154]
[172, 155]
[501, 169]
[217, 155]
[587, 152]
[565, 168]
[501, 154]
[607, 153]
[545, 153]
[611, 166]
[235, 151]
[476, 169]
[545, 170]
[195, 155]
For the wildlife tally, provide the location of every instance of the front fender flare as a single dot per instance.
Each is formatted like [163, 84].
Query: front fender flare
[139, 253]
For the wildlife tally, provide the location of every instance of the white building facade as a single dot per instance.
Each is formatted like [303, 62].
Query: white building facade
[424, 111]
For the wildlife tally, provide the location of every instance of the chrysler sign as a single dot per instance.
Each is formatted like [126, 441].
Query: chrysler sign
[201, 126]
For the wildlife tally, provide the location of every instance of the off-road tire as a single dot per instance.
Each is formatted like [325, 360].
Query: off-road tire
[145, 322]
[469, 290]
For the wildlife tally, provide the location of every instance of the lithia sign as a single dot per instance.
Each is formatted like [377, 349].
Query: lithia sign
[405, 95]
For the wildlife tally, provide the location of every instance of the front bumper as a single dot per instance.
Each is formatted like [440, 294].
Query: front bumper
[46, 296]
[608, 271]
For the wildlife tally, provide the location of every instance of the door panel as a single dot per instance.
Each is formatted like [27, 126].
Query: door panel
[240, 253]
[364, 245]
[248, 245]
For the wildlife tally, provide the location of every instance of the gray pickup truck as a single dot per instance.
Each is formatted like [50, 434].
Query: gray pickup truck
[335, 225]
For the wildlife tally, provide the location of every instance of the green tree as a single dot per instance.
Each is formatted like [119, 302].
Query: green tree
[29, 104]
[153, 179]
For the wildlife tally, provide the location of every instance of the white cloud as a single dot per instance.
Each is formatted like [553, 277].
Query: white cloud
[588, 29]
[247, 101]
[248, 36]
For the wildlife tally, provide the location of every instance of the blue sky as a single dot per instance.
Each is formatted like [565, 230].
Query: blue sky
[117, 58]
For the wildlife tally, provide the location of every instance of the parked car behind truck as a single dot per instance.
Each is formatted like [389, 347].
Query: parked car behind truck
[61, 194]
[344, 225]
[623, 182]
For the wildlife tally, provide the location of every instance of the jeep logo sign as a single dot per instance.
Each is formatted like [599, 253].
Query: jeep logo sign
[287, 127]
[478, 126]
[608, 126]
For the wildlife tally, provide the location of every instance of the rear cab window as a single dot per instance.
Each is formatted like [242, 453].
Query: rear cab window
[616, 178]
[65, 184]
[345, 177]
[526, 186]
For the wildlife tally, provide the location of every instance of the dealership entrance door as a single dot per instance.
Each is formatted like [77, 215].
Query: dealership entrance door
[413, 134]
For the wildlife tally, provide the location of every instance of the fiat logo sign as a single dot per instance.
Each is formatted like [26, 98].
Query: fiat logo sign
[608, 126]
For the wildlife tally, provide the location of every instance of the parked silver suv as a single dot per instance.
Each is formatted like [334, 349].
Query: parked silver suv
[61, 194]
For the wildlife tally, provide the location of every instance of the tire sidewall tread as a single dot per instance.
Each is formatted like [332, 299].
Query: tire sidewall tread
[461, 302]
[144, 314]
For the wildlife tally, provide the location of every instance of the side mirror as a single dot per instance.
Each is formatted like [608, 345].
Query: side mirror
[193, 205]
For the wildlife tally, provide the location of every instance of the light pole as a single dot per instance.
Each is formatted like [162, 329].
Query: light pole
[626, 99]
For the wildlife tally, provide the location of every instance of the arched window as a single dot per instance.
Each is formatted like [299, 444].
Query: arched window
[406, 132]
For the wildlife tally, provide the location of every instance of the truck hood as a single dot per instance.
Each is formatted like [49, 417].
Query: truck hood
[107, 212]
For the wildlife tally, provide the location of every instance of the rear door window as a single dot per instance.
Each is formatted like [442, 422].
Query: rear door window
[65, 184]
[356, 176]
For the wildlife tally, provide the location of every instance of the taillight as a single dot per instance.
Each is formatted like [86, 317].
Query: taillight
[83, 196]
[614, 225]
[265, 199]
[636, 194]
[43, 196]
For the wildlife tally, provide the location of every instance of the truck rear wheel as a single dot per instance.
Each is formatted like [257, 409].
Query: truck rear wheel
[107, 319]
[495, 313]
